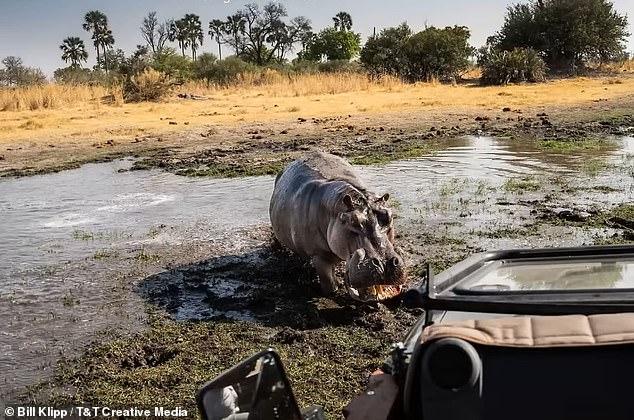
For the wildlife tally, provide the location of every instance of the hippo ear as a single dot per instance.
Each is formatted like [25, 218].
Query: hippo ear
[383, 198]
[347, 200]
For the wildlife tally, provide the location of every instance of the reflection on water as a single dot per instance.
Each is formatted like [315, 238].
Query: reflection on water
[46, 217]
[562, 275]
[53, 225]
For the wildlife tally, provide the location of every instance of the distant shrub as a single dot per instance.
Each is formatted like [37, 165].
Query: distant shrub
[75, 76]
[304, 67]
[150, 85]
[518, 65]
[383, 53]
[227, 71]
[174, 65]
[436, 54]
[340, 66]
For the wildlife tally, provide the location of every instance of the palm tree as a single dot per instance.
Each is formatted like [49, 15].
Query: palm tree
[178, 32]
[95, 22]
[107, 41]
[343, 21]
[235, 26]
[194, 32]
[74, 51]
[216, 28]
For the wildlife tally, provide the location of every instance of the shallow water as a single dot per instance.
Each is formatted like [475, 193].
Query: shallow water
[58, 230]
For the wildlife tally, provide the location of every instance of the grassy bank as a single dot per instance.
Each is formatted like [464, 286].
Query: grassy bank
[167, 364]
[82, 115]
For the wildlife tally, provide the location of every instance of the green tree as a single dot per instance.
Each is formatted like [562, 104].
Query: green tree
[75, 76]
[95, 21]
[106, 40]
[178, 32]
[168, 61]
[205, 66]
[136, 63]
[438, 53]
[500, 67]
[225, 72]
[216, 29]
[194, 31]
[15, 73]
[74, 50]
[342, 21]
[566, 33]
[233, 31]
[261, 36]
[333, 44]
[115, 58]
[383, 53]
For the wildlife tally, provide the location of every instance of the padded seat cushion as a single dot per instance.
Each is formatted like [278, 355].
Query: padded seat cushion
[539, 331]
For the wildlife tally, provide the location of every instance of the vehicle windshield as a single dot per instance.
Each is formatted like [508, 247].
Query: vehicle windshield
[559, 275]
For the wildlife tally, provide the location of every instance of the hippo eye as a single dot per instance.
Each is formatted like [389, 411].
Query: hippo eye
[383, 217]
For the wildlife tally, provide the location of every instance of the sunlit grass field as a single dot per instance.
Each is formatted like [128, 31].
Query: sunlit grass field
[88, 113]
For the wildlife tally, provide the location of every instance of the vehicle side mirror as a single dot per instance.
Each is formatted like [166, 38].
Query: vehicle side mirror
[255, 389]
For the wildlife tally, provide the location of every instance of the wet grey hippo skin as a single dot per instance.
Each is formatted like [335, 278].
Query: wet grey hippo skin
[320, 208]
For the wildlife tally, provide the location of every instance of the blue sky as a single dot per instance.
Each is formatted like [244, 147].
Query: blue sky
[34, 29]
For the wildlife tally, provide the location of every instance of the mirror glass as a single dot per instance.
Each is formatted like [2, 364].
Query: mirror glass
[255, 389]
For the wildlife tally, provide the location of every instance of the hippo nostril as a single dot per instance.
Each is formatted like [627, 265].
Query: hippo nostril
[395, 262]
[376, 262]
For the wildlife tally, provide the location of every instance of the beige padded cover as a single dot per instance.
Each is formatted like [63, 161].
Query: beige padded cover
[539, 331]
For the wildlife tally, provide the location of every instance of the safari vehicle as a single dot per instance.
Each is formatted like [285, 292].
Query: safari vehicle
[513, 334]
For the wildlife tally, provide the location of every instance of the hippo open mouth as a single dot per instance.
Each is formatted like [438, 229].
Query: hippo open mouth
[370, 279]
[376, 293]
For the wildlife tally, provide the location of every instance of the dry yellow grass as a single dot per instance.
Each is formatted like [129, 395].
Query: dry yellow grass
[75, 116]
[628, 65]
[271, 83]
[50, 96]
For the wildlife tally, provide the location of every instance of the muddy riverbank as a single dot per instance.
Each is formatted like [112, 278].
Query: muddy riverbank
[259, 148]
[86, 257]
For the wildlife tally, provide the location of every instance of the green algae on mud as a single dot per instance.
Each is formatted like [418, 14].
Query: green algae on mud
[619, 218]
[166, 364]
[519, 185]
[572, 144]
[269, 161]
[381, 157]
[234, 170]
[63, 165]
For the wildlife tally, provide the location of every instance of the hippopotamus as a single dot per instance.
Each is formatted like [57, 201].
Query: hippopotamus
[320, 208]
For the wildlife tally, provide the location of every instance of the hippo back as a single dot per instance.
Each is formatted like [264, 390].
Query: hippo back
[306, 196]
[331, 167]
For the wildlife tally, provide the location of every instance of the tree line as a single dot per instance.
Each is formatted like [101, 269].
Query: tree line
[537, 37]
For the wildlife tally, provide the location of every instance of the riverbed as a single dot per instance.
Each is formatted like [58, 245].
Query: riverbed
[84, 249]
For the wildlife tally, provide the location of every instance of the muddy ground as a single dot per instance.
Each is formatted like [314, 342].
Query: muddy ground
[328, 345]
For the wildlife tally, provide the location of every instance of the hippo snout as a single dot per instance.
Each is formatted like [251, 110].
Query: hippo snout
[395, 262]
[377, 265]
[395, 270]
[365, 269]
